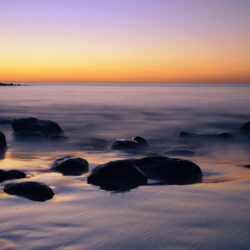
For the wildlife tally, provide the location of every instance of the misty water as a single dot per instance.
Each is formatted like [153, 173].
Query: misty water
[213, 214]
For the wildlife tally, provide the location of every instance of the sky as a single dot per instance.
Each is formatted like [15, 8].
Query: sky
[156, 41]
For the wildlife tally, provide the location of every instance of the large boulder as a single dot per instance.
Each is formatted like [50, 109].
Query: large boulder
[3, 142]
[131, 173]
[69, 165]
[11, 174]
[117, 175]
[35, 127]
[245, 128]
[31, 190]
[170, 170]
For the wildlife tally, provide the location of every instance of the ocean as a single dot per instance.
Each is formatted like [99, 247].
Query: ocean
[213, 214]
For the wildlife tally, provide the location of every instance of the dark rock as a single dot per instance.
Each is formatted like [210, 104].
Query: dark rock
[123, 144]
[206, 136]
[36, 127]
[117, 175]
[170, 170]
[136, 142]
[3, 152]
[8, 84]
[4, 121]
[186, 134]
[225, 136]
[3, 142]
[11, 174]
[181, 152]
[245, 128]
[247, 166]
[140, 140]
[70, 165]
[29, 135]
[31, 190]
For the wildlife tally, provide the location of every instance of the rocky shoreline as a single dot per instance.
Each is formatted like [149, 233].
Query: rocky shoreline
[9, 84]
[115, 176]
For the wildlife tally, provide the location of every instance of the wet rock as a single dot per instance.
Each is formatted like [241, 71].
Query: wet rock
[245, 128]
[11, 174]
[31, 190]
[180, 152]
[69, 165]
[140, 140]
[3, 142]
[35, 127]
[170, 170]
[4, 121]
[117, 175]
[246, 166]
[3, 152]
[123, 144]
[186, 134]
[29, 135]
[225, 136]
[136, 142]
[220, 136]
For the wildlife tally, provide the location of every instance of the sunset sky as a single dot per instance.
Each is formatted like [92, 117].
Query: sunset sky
[164, 41]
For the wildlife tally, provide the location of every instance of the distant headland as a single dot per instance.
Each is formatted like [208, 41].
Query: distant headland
[9, 84]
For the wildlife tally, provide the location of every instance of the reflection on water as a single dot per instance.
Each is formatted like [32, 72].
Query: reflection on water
[184, 217]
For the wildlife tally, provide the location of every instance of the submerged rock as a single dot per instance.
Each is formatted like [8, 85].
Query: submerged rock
[31, 190]
[117, 175]
[170, 170]
[184, 134]
[181, 152]
[245, 128]
[11, 174]
[136, 142]
[3, 142]
[35, 127]
[69, 165]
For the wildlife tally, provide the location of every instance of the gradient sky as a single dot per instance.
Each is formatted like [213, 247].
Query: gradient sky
[125, 40]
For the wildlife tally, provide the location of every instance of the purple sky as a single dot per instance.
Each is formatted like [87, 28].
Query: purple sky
[149, 34]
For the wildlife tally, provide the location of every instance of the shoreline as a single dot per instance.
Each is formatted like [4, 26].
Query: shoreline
[9, 84]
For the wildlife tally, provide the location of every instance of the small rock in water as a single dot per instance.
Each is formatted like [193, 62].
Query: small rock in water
[123, 144]
[11, 174]
[136, 142]
[245, 128]
[3, 142]
[246, 166]
[184, 134]
[31, 190]
[35, 127]
[225, 136]
[140, 140]
[117, 175]
[69, 165]
[181, 152]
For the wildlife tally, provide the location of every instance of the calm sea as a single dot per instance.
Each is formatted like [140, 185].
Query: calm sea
[210, 215]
